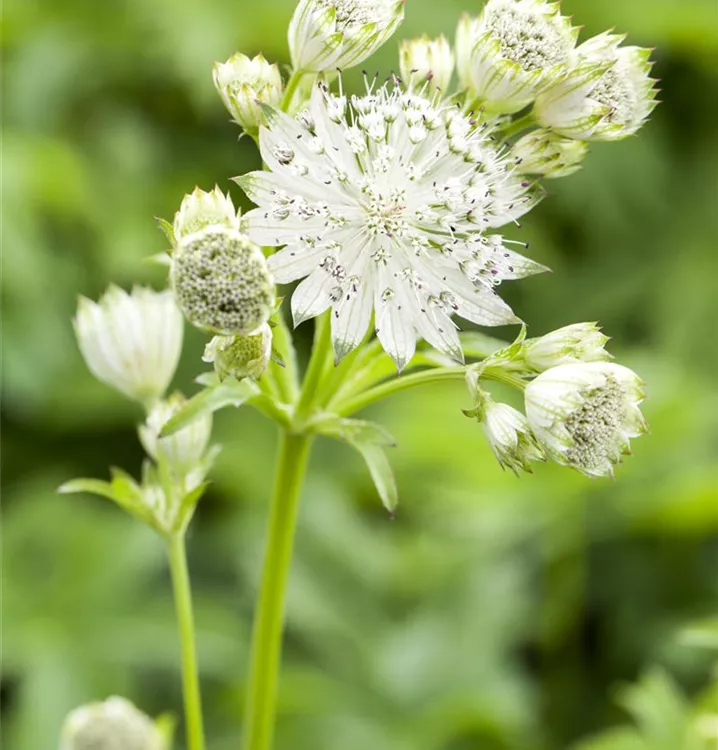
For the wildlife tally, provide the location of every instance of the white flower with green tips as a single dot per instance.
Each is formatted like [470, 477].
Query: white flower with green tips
[426, 64]
[608, 95]
[544, 153]
[328, 34]
[131, 342]
[383, 204]
[585, 414]
[244, 85]
[182, 450]
[580, 342]
[512, 51]
[114, 724]
[200, 209]
[240, 356]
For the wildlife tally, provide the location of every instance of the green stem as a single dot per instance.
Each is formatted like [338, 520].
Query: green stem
[269, 617]
[290, 90]
[321, 351]
[523, 123]
[183, 603]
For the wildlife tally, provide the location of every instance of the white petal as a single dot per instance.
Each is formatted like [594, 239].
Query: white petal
[311, 297]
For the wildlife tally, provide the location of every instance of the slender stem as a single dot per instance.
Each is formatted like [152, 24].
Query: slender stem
[523, 123]
[321, 351]
[183, 603]
[290, 90]
[269, 617]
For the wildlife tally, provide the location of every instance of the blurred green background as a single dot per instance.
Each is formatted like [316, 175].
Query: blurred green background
[493, 613]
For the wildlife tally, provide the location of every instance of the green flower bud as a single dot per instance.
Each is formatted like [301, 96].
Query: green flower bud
[580, 342]
[426, 63]
[221, 281]
[240, 356]
[544, 153]
[114, 724]
[200, 209]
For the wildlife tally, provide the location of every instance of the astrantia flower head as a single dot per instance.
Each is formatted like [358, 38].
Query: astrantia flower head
[243, 84]
[586, 414]
[383, 204]
[184, 449]
[114, 724]
[607, 96]
[200, 209]
[221, 281]
[240, 356]
[514, 50]
[132, 342]
[580, 342]
[328, 34]
[426, 64]
[542, 152]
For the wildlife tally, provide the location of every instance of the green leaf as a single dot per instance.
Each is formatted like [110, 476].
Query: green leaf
[229, 393]
[353, 430]
[381, 473]
[89, 486]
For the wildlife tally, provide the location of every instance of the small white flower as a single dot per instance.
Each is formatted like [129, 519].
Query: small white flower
[511, 438]
[240, 356]
[512, 51]
[384, 204]
[200, 209]
[328, 34]
[114, 724]
[426, 64]
[580, 342]
[245, 85]
[132, 342]
[607, 96]
[585, 414]
[542, 152]
[221, 281]
[183, 450]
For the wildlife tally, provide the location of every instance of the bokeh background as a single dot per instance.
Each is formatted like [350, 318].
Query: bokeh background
[492, 613]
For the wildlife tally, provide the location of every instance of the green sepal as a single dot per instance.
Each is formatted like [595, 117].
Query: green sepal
[167, 229]
[230, 392]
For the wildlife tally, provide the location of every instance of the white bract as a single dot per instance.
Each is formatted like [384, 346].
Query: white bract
[542, 152]
[114, 724]
[585, 414]
[240, 356]
[383, 204]
[608, 95]
[426, 64]
[328, 34]
[580, 342]
[244, 85]
[184, 449]
[132, 342]
[512, 51]
[200, 209]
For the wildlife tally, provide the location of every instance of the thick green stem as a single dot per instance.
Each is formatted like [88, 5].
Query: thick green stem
[269, 617]
[185, 620]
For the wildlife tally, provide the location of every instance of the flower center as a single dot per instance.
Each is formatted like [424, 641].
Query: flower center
[351, 12]
[615, 91]
[386, 213]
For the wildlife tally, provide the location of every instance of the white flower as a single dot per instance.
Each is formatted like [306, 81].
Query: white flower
[607, 96]
[221, 281]
[514, 50]
[544, 153]
[426, 64]
[183, 450]
[510, 437]
[585, 414]
[580, 342]
[240, 356]
[114, 724]
[245, 85]
[200, 209]
[328, 34]
[132, 342]
[383, 204]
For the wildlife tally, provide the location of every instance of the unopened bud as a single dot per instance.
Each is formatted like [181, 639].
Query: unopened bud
[580, 342]
[544, 153]
[240, 356]
[426, 64]
[200, 209]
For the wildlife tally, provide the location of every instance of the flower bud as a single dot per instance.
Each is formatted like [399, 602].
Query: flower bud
[245, 85]
[607, 96]
[240, 356]
[328, 34]
[580, 342]
[426, 64]
[184, 449]
[544, 153]
[221, 281]
[585, 414]
[514, 50]
[114, 724]
[199, 210]
[132, 342]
